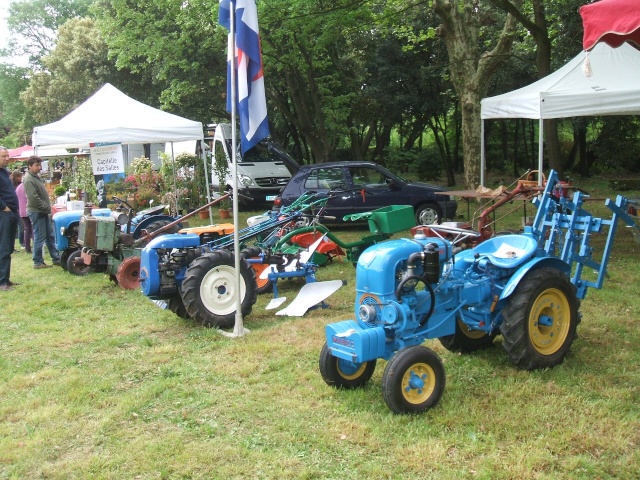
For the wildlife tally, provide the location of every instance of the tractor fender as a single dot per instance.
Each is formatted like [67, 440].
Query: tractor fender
[148, 221]
[533, 264]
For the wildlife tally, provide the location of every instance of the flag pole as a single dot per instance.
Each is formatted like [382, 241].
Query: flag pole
[238, 327]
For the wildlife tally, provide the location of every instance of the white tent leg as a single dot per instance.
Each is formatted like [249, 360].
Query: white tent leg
[482, 159]
[540, 151]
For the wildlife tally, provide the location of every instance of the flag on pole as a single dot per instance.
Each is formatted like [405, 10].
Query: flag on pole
[252, 102]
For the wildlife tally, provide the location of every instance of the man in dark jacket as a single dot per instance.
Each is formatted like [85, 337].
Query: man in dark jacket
[8, 221]
[39, 212]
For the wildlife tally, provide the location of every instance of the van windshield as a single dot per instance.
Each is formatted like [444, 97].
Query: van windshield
[258, 154]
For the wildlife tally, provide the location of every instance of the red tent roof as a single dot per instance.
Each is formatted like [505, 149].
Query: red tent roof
[611, 21]
[17, 152]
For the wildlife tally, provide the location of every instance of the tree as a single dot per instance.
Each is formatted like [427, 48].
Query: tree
[13, 115]
[34, 25]
[463, 32]
[75, 69]
[175, 46]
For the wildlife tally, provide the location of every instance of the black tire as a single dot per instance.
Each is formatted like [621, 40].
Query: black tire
[263, 285]
[74, 269]
[413, 380]
[158, 224]
[465, 340]
[64, 257]
[427, 214]
[208, 289]
[177, 306]
[340, 373]
[546, 294]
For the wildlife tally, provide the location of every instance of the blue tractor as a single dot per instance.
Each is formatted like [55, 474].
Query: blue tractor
[526, 287]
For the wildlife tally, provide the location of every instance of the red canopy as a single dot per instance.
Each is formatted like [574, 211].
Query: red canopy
[18, 152]
[611, 21]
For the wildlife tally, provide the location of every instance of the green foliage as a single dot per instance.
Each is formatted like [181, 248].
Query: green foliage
[81, 178]
[34, 24]
[79, 54]
[221, 170]
[185, 181]
[184, 52]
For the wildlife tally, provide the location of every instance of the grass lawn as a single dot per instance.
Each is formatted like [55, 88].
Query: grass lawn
[98, 382]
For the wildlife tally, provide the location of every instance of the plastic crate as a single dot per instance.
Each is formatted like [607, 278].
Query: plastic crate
[392, 219]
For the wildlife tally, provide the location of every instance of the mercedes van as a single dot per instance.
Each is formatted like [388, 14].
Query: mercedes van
[262, 171]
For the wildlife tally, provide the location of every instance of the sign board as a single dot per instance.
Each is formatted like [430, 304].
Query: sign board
[106, 158]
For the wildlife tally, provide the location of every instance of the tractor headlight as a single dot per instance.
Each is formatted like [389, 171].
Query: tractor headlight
[62, 231]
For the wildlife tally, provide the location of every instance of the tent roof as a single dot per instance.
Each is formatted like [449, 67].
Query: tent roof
[610, 21]
[110, 116]
[611, 89]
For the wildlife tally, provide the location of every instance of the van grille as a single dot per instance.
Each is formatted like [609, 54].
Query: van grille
[266, 182]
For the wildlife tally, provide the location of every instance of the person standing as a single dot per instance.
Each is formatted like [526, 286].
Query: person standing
[26, 223]
[39, 212]
[8, 221]
[16, 178]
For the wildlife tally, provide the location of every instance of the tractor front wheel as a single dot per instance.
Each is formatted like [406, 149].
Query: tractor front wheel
[64, 257]
[466, 340]
[75, 265]
[209, 289]
[540, 320]
[413, 380]
[340, 373]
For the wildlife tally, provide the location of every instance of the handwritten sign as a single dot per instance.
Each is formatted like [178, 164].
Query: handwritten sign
[106, 158]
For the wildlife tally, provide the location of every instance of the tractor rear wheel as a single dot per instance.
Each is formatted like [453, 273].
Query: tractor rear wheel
[75, 266]
[466, 340]
[540, 320]
[340, 373]
[177, 307]
[209, 289]
[413, 380]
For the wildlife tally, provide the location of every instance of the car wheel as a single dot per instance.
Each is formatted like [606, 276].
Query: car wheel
[428, 214]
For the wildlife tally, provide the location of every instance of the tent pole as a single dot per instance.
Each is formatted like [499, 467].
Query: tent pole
[482, 159]
[540, 150]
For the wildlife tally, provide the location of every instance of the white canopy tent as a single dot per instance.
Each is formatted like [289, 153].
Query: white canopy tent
[600, 82]
[110, 116]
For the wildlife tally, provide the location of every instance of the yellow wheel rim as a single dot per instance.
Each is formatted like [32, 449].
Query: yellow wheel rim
[549, 321]
[418, 383]
[472, 334]
[352, 374]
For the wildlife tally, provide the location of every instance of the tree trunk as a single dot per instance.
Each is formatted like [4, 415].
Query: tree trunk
[470, 71]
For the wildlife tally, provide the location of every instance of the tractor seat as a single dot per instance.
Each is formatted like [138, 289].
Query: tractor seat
[505, 251]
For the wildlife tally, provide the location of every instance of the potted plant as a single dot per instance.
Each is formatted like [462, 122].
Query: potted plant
[222, 171]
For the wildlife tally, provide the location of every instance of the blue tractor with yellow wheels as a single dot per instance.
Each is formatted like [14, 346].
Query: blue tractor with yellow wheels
[526, 287]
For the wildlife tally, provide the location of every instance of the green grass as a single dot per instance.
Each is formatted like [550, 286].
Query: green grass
[98, 382]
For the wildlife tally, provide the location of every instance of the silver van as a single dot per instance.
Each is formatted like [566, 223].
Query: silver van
[262, 171]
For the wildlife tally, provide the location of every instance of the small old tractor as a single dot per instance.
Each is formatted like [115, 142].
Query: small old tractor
[526, 287]
[198, 280]
[112, 243]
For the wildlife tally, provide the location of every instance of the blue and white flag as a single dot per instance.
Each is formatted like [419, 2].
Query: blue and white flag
[252, 102]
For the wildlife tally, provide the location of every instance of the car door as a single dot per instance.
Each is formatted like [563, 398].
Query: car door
[375, 189]
[324, 179]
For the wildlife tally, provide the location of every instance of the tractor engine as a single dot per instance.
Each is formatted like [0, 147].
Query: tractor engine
[163, 263]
